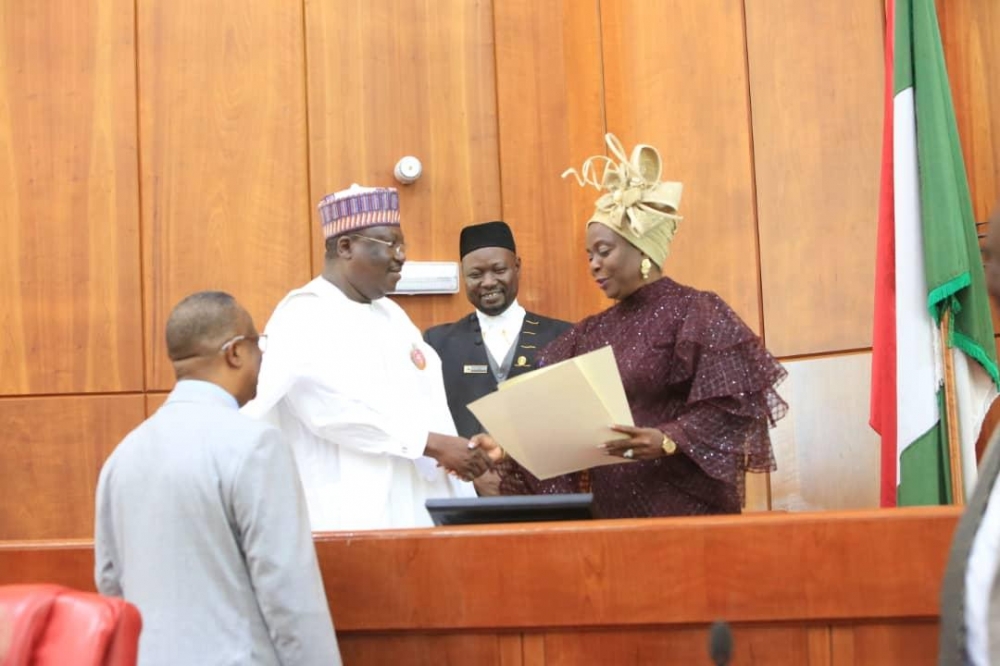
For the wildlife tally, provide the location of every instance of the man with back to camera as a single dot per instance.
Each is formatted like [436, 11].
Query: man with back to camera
[499, 339]
[201, 520]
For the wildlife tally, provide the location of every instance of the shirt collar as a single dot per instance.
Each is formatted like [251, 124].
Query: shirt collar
[196, 390]
[508, 319]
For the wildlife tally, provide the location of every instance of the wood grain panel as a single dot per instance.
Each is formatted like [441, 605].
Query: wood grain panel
[910, 643]
[972, 52]
[533, 649]
[774, 646]
[550, 98]
[225, 200]
[64, 562]
[571, 593]
[511, 649]
[568, 577]
[69, 203]
[51, 456]
[428, 649]
[842, 645]
[675, 77]
[154, 401]
[578, 576]
[758, 495]
[817, 128]
[820, 645]
[406, 78]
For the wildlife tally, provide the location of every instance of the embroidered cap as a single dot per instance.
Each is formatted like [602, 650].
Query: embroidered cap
[358, 207]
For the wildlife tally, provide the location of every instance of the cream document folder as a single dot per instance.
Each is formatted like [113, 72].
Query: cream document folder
[552, 420]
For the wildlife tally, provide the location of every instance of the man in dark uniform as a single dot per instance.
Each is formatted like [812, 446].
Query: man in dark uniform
[497, 341]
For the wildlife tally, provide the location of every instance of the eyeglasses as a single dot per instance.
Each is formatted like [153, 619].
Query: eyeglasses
[261, 341]
[396, 248]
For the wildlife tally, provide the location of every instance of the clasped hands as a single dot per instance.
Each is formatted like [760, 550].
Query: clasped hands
[469, 459]
[465, 458]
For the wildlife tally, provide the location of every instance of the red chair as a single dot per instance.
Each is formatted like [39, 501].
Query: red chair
[46, 625]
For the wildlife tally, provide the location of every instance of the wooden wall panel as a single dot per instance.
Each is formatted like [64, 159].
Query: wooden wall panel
[771, 645]
[816, 80]
[675, 77]
[584, 575]
[389, 78]
[969, 32]
[910, 643]
[799, 591]
[52, 453]
[225, 200]
[154, 401]
[533, 649]
[69, 204]
[68, 562]
[430, 650]
[550, 97]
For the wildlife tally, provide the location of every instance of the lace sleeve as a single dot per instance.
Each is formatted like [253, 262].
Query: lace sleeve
[732, 402]
[515, 480]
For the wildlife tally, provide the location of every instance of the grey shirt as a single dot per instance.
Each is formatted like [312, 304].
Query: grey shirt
[202, 524]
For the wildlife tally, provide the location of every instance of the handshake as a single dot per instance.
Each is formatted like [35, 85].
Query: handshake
[464, 458]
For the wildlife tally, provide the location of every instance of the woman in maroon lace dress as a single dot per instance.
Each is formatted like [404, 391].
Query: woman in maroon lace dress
[699, 382]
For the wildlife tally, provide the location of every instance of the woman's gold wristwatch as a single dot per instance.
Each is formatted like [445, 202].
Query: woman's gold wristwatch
[669, 446]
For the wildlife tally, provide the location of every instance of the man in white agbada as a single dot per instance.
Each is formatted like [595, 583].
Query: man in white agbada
[354, 388]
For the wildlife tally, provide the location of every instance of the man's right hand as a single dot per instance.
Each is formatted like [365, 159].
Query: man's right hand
[455, 455]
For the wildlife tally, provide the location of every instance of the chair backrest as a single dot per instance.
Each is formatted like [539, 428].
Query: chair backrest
[45, 625]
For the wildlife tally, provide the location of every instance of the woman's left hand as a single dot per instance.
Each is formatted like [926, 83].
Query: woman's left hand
[643, 443]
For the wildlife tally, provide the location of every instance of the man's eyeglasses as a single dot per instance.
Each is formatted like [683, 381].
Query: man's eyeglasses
[261, 341]
[396, 248]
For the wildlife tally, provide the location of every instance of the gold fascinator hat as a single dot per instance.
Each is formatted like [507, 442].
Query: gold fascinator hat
[636, 205]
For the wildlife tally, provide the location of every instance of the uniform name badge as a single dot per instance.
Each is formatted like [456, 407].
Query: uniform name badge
[475, 369]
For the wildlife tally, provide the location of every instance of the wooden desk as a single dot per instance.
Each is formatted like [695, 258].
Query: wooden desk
[825, 589]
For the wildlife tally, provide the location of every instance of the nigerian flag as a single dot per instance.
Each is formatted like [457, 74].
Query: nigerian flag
[928, 266]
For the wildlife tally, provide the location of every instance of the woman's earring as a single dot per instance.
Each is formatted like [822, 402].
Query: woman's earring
[644, 267]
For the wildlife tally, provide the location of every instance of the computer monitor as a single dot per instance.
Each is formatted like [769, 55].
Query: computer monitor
[510, 509]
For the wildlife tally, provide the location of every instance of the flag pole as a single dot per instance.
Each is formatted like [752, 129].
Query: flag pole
[951, 413]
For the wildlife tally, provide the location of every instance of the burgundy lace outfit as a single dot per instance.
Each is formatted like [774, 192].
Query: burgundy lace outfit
[692, 369]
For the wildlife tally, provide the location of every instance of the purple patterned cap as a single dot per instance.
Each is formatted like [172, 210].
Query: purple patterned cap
[358, 207]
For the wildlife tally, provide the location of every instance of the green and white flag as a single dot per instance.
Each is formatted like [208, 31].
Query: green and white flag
[928, 266]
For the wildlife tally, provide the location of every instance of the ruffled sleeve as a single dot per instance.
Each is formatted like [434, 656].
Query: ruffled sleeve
[723, 424]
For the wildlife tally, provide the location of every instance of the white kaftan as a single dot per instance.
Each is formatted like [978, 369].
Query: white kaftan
[343, 382]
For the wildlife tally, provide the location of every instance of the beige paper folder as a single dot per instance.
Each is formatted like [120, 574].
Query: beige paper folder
[551, 420]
